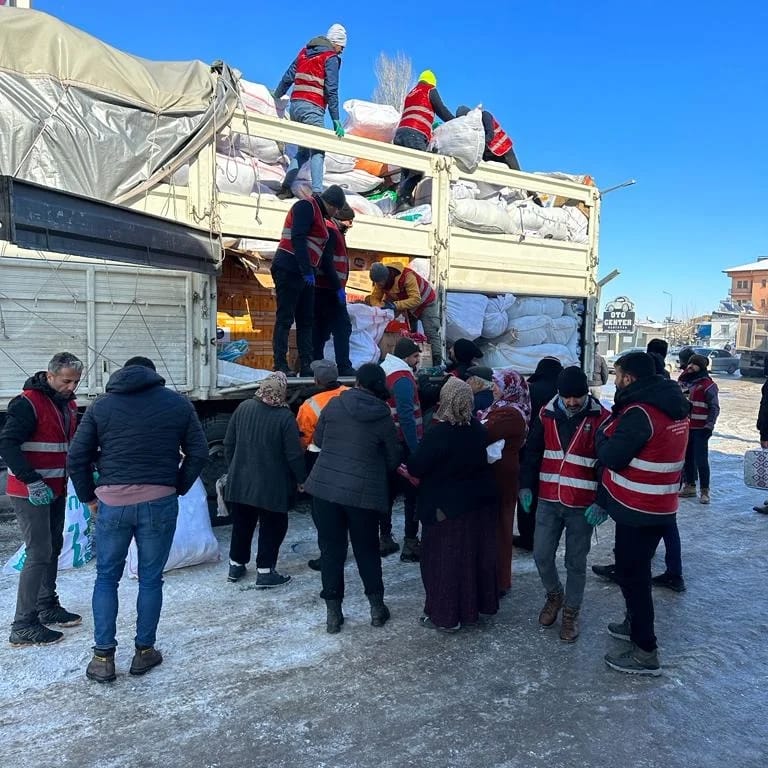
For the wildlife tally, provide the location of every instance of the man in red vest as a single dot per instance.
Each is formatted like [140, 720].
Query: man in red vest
[331, 316]
[422, 104]
[404, 290]
[304, 246]
[641, 448]
[498, 144]
[314, 76]
[34, 442]
[561, 459]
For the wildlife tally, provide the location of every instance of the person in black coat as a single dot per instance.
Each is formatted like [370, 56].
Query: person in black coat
[349, 488]
[762, 428]
[457, 508]
[542, 384]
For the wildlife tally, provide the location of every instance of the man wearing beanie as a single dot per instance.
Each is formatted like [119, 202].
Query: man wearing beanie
[641, 448]
[304, 246]
[463, 354]
[560, 458]
[314, 76]
[405, 406]
[414, 131]
[404, 290]
[702, 392]
[658, 349]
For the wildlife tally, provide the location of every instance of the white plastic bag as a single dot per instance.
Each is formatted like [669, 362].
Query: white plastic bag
[374, 121]
[420, 214]
[372, 320]
[193, 541]
[525, 359]
[530, 305]
[258, 98]
[494, 451]
[335, 163]
[362, 349]
[353, 181]
[465, 313]
[360, 204]
[529, 331]
[462, 138]
[240, 175]
[562, 329]
[496, 320]
[484, 216]
[266, 150]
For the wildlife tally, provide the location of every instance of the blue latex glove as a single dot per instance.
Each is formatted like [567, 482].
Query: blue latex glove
[526, 499]
[339, 128]
[389, 305]
[595, 515]
[39, 494]
[342, 295]
[309, 280]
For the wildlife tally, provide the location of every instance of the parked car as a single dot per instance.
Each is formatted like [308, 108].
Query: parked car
[611, 359]
[720, 360]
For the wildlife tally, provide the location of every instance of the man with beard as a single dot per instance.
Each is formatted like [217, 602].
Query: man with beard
[34, 441]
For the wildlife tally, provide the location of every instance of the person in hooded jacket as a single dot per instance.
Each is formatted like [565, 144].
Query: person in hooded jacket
[314, 75]
[135, 436]
[39, 426]
[542, 385]
[641, 449]
[658, 350]
[349, 488]
[463, 354]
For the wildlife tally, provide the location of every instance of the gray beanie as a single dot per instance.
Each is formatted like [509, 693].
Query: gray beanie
[379, 273]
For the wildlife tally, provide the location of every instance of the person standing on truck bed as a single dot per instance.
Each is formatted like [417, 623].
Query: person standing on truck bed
[414, 131]
[304, 245]
[314, 76]
[34, 440]
[331, 316]
[402, 289]
[498, 144]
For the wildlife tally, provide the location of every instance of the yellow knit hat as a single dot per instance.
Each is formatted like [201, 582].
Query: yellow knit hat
[428, 76]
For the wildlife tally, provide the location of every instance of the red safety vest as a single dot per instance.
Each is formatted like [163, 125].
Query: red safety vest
[500, 144]
[398, 291]
[309, 81]
[569, 476]
[651, 481]
[418, 112]
[697, 394]
[392, 378]
[340, 258]
[317, 238]
[46, 448]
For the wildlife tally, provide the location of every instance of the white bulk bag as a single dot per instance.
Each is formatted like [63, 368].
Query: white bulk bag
[481, 216]
[335, 163]
[240, 175]
[496, 321]
[257, 98]
[193, 541]
[420, 214]
[562, 329]
[462, 138]
[531, 305]
[265, 150]
[529, 330]
[353, 181]
[525, 359]
[373, 121]
[464, 313]
[372, 320]
[362, 349]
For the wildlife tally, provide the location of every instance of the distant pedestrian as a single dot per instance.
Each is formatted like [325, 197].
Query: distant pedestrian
[39, 426]
[658, 350]
[599, 376]
[148, 447]
[266, 468]
[762, 428]
[456, 505]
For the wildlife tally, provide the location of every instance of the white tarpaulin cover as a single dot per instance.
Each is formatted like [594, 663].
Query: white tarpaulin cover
[81, 116]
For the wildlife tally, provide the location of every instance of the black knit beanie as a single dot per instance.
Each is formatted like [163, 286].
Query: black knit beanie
[572, 382]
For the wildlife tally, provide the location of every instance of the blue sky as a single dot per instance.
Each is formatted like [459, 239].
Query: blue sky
[672, 94]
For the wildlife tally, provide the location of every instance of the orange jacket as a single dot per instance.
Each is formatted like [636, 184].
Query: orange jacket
[310, 411]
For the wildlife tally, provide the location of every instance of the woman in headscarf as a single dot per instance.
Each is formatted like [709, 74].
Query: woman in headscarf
[542, 384]
[507, 419]
[457, 508]
[266, 467]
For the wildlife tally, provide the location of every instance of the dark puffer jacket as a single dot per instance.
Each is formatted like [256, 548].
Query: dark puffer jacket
[358, 449]
[134, 434]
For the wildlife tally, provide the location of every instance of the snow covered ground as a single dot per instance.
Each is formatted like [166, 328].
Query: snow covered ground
[251, 678]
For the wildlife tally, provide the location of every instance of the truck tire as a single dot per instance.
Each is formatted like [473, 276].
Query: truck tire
[215, 428]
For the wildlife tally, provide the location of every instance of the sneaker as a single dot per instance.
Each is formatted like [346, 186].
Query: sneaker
[284, 193]
[57, 615]
[607, 572]
[387, 545]
[37, 634]
[314, 564]
[704, 498]
[635, 661]
[101, 667]
[425, 621]
[688, 492]
[271, 579]
[620, 630]
[236, 572]
[411, 551]
[666, 579]
[144, 659]
[763, 510]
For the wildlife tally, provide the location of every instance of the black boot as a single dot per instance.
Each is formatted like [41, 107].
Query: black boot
[379, 611]
[334, 616]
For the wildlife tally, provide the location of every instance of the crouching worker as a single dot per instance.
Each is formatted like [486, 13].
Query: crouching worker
[561, 451]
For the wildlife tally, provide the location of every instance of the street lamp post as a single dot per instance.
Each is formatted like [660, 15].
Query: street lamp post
[669, 318]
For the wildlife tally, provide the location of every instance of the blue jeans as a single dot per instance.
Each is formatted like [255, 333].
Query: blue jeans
[152, 524]
[309, 114]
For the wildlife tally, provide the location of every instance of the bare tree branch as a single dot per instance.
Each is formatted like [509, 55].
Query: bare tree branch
[394, 75]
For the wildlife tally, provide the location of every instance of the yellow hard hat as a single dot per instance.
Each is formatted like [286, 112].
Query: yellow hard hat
[428, 76]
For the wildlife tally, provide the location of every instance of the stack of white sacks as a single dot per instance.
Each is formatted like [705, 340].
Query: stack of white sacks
[515, 332]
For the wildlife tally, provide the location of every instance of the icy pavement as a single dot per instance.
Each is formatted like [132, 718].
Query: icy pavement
[251, 678]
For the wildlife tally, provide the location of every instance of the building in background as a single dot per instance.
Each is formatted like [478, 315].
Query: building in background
[749, 286]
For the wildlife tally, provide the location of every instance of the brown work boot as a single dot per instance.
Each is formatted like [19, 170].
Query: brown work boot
[145, 659]
[101, 667]
[548, 615]
[569, 626]
[704, 498]
[688, 492]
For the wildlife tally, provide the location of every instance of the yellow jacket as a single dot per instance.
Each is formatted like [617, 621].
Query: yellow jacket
[310, 411]
[412, 299]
